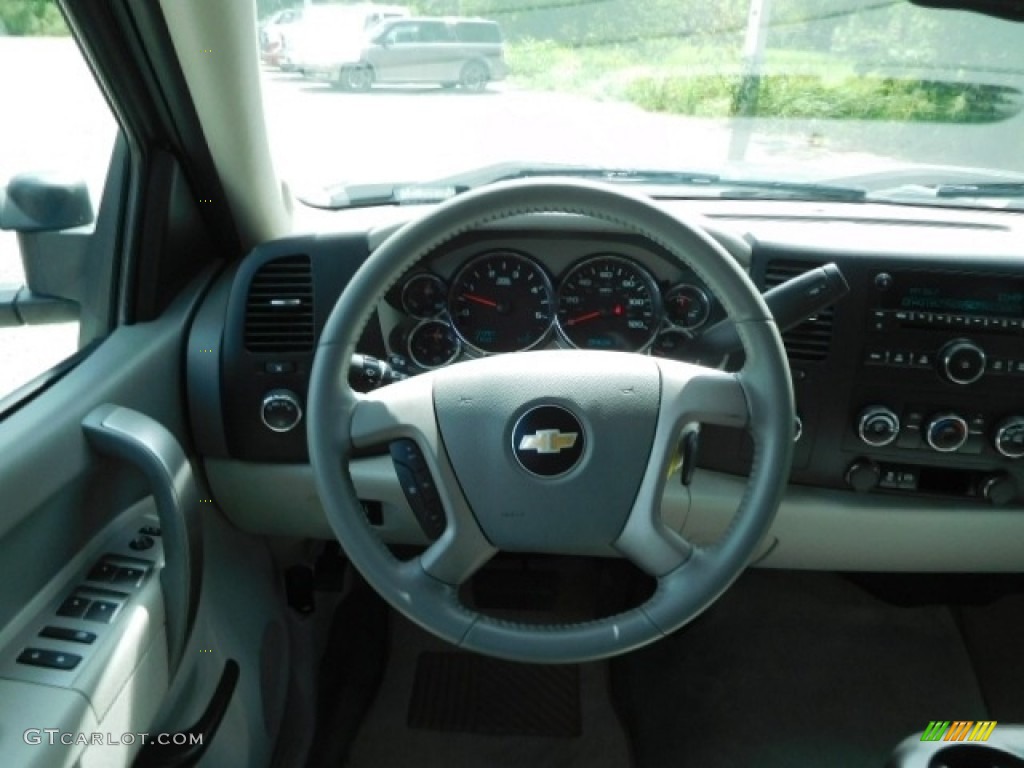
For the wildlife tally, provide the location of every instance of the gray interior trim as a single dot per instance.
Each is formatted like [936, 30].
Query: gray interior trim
[845, 531]
[147, 445]
[203, 369]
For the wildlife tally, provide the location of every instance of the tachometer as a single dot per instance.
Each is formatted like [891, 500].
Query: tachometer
[501, 301]
[608, 302]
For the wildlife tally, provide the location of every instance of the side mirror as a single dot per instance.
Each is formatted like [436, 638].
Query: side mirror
[44, 202]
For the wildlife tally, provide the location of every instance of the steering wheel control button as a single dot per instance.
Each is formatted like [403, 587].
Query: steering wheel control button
[1009, 438]
[74, 607]
[548, 441]
[962, 361]
[102, 611]
[878, 426]
[947, 433]
[150, 530]
[281, 410]
[68, 634]
[418, 486]
[44, 657]
[141, 543]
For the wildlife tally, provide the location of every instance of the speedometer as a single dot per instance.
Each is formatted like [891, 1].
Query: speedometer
[608, 302]
[501, 301]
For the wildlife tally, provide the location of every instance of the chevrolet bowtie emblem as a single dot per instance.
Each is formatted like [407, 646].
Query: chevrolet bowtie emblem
[548, 441]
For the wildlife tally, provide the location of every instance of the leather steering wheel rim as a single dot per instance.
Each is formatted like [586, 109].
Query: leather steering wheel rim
[442, 412]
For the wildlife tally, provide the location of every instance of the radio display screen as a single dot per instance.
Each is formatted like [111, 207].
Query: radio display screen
[994, 296]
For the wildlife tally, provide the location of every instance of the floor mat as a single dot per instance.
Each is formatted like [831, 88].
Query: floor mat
[795, 669]
[466, 693]
[439, 708]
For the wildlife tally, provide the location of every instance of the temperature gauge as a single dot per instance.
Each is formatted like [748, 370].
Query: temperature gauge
[433, 344]
[424, 295]
[687, 307]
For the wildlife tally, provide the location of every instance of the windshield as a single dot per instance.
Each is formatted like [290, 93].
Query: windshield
[903, 102]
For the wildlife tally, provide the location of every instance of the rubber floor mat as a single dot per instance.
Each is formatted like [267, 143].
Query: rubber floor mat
[465, 693]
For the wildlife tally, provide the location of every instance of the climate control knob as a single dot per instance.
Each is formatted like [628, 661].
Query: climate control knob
[281, 410]
[1009, 438]
[878, 426]
[962, 361]
[946, 432]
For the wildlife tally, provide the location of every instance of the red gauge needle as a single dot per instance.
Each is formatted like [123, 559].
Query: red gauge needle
[480, 300]
[584, 318]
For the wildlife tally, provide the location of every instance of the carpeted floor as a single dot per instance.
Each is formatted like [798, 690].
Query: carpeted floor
[796, 669]
[787, 670]
[438, 708]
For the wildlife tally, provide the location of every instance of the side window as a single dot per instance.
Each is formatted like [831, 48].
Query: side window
[403, 34]
[56, 138]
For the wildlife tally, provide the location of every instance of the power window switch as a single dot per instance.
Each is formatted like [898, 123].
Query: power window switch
[102, 571]
[74, 607]
[102, 611]
[66, 633]
[129, 576]
[44, 657]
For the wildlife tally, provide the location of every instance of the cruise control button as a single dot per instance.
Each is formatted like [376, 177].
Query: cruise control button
[876, 357]
[899, 359]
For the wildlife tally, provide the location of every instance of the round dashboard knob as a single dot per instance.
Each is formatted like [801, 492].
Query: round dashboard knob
[281, 410]
[863, 475]
[878, 426]
[999, 489]
[962, 361]
[946, 432]
[1009, 439]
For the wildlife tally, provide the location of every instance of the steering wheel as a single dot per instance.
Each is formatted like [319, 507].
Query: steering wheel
[552, 451]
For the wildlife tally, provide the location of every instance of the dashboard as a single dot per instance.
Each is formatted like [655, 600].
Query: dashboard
[511, 292]
[909, 447]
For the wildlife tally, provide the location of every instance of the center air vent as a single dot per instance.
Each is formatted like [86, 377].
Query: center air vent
[279, 309]
[810, 340]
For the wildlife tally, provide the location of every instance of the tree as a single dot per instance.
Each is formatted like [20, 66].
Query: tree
[32, 17]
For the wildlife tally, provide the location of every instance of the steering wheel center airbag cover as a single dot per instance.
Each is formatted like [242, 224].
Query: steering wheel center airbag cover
[586, 503]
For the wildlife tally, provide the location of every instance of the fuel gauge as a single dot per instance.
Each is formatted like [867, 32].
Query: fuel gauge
[433, 344]
[687, 306]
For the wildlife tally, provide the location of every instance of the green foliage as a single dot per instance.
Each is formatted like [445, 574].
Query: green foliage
[810, 96]
[32, 17]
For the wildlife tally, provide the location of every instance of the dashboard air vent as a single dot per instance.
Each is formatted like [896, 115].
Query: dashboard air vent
[810, 340]
[279, 309]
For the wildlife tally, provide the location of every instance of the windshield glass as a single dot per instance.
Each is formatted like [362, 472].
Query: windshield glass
[905, 102]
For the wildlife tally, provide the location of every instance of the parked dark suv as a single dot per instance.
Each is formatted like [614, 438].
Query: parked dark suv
[447, 51]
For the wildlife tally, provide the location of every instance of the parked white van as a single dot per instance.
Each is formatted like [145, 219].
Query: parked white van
[450, 51]
[315, 39]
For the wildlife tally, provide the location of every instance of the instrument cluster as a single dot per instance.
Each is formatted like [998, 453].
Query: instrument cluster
[503, 300]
